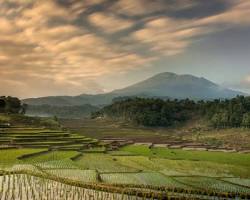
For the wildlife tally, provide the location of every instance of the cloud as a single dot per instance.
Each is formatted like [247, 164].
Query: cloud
[131, 7]
[108, 22]
[237, 15]
[147, 7]
[62, 54]
[64, 46]
[34, 85]
[243, 84]
[6, 26]
[170, 36]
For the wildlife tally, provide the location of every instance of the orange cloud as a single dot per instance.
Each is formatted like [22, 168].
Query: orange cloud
[59, 46]
[108, 22]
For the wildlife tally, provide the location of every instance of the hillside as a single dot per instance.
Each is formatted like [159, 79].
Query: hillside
[98, 99]
[157, 112]
[178, 86]
[164, 85]
[73, 112]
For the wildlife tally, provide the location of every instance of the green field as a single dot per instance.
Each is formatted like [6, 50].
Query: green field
[10, 157]
[70, 159]
[177, 154]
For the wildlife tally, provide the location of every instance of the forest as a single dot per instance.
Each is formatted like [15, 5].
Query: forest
[157, 112]
[70, 112]
[11, 105]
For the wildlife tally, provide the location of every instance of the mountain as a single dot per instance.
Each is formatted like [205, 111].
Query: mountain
[178, 86]
[83, 99]
[164, 85]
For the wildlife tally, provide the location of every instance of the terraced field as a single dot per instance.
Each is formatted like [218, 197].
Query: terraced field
[41, 158]
[31, 187]
[43, 138]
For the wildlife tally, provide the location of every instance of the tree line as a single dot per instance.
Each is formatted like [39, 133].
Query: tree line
[74, 112]
[157, 112]
[11, 105]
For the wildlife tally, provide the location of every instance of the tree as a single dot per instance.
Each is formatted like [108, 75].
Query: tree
[246, 120]
[224, 119]
[236, 119]
[158, 112]
[13, 105]
[2, 104]
[24, 108]
[216, 120]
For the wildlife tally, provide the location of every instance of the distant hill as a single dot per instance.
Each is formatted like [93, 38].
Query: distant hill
[70, 112]
[164, 85]
[156, 112]
[178, 86]
[83, 99]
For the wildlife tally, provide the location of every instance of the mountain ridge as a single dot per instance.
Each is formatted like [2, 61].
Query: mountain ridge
[161, 85]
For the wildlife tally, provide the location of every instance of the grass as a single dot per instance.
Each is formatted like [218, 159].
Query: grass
[139, 162]
[95, 149]
[10, 157]
[20, 186]
[183, 167]
[240, 181]
[57, 164]
[51, 156]
[102, 163]
[143, 178]
[200, 168]
[75, 174]
[132, 164]
[121, 153]
[213, 184]
[178, 154]
[43, 138]
[129, 169]
[4, 118]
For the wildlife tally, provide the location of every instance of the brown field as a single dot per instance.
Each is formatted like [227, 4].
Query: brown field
[237, 138]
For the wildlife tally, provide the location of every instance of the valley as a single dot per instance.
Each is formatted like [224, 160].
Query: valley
[89, 166]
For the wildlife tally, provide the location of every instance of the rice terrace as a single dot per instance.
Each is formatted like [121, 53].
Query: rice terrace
[43, 163]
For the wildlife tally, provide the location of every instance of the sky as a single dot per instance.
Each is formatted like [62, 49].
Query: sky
[70, 47]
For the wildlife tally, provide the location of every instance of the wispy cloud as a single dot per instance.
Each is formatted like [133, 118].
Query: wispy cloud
[61, 47]
[108, 22]
[171, 36]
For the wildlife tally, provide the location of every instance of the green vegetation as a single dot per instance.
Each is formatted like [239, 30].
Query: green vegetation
[29, 122]
[144, 178]
[51, 156]
[24, 186]
[102, 163]
[43, 138]
[157, 112]
[11, 105]
[239, 181]
[42, 157]
[75, 174]
[178, 154]
[95, 150]
[71, 112]
[213, 184]
[10, 157]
